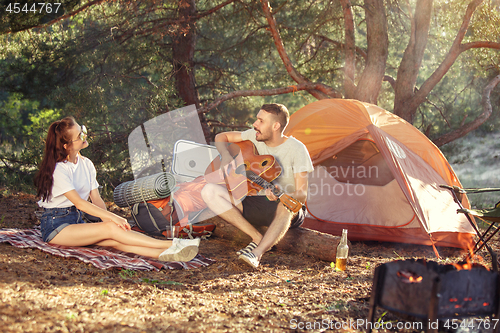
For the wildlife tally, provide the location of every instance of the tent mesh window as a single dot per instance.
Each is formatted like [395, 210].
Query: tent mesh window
[359, 163]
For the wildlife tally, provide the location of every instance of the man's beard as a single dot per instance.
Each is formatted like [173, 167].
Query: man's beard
[261, 137]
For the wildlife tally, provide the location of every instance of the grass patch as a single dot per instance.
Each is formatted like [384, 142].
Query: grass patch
[127, 273]
[146, 280]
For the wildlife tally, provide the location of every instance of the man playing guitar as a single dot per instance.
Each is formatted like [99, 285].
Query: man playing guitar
[263, 209]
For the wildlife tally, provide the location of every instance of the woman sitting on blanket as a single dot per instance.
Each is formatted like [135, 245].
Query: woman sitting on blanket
[66, 180]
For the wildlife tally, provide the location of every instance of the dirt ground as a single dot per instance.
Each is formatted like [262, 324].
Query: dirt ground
[289, 292]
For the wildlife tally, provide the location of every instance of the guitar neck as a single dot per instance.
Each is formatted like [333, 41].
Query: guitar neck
[263, 183]
[290, 203]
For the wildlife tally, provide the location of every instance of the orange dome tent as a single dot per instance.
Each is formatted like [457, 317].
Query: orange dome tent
[377, 176]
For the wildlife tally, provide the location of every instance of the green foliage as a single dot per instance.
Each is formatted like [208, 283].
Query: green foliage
[111, 86]
[337, 306]
[127, 273]
[154, 281]
[22, 132]
[17, 16]
[14, 118]
[71, 316]
[398, 256]
[382, 316]
[457, 98]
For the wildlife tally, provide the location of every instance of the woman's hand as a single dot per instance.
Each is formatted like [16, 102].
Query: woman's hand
[120, 221]
[96, 210]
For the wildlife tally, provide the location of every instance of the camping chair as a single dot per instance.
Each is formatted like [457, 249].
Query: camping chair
[489, 216]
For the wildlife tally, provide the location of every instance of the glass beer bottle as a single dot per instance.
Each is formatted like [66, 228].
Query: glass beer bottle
[342, 253]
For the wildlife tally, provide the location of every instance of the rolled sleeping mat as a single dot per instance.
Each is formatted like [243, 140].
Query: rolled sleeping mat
[154, 187]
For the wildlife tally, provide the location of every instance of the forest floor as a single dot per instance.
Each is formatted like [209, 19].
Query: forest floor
[289, 292]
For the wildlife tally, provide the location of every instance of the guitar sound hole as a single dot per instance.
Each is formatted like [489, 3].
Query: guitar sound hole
[264, 163]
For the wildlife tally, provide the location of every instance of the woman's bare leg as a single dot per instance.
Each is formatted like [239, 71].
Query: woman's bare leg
[92, 233]
[140, 250]
[109, 234]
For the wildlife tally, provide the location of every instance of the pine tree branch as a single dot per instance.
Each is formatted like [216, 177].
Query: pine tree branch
[295, 75]
[470, 126]
[270, 92]
[455, 50]
[479, 44]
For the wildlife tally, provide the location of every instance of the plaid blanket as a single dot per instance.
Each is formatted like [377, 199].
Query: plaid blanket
[100, 257]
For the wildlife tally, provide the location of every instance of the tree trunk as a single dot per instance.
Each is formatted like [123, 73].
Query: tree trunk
[183, 47]
[350, 50]
[298, 240]
[378, 43]
[412, 59]
[456, 49]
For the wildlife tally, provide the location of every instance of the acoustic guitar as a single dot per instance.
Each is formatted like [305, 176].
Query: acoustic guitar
[253, 173]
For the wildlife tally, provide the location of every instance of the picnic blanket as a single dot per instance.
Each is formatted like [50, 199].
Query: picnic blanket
[99, 256]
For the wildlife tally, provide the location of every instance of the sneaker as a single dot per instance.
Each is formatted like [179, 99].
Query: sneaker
[188, 242]
[247, 249]
[250, 259]
[179, 252]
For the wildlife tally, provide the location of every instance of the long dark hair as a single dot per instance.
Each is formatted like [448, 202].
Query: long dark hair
[54, 152]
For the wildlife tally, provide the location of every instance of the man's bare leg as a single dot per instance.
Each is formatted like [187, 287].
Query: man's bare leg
[275, 232]
[219, 201]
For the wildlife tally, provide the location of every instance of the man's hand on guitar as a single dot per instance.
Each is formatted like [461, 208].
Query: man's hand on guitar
[258, 176]
[270, 195]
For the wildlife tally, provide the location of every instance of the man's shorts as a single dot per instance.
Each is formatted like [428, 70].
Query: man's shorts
[260, 211]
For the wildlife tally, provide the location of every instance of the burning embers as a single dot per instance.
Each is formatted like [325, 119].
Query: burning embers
[431, 291]
[409, 277]
[468, 266]
[406, 276]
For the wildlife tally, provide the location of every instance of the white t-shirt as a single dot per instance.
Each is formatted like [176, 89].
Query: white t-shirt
[292, 156]
[70, 176]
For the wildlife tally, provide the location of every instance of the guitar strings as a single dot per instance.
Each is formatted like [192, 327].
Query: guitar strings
[262, 182]
[265, 184]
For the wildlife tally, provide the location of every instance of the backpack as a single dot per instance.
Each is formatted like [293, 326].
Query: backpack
[155, 217]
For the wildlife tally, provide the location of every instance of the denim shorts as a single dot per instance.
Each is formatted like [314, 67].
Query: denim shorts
[54, 220]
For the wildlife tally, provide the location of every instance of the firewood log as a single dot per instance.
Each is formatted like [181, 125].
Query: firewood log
[298, 240]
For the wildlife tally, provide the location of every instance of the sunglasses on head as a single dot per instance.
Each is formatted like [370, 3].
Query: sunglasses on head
[82, 135]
